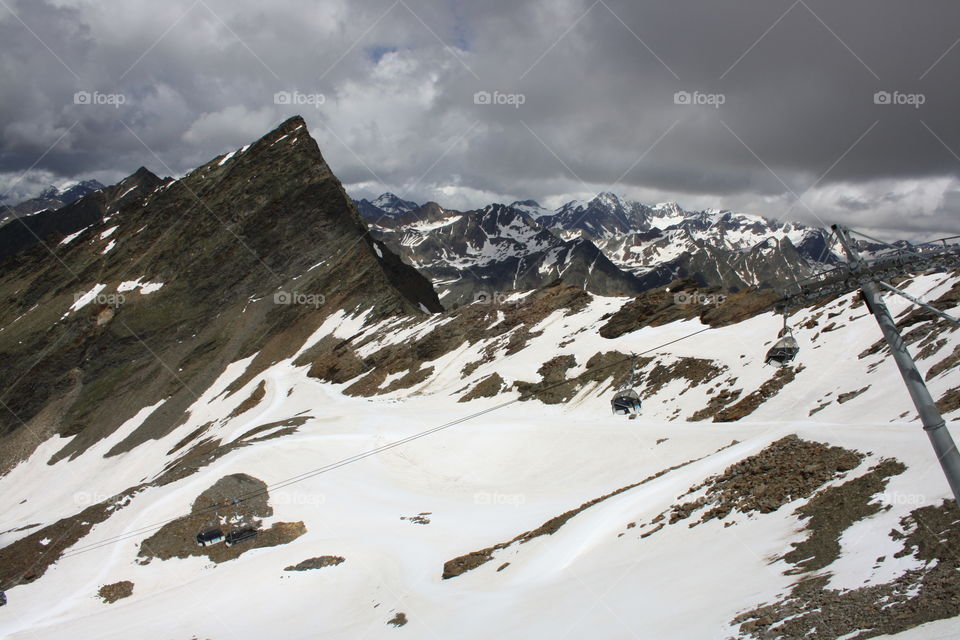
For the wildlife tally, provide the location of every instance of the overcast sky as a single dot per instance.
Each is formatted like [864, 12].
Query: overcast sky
[761, 106]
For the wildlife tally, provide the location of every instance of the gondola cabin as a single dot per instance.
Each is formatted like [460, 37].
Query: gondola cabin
[625, 402]
[209, 537]
[241, 535]
[783, 352]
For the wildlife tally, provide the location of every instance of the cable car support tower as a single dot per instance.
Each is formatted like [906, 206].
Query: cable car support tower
[869, 276]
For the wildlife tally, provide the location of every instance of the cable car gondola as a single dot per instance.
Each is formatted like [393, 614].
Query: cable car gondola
[240, 535]
[243, 530]
[210, 537]
[626, 401]
[785, 349]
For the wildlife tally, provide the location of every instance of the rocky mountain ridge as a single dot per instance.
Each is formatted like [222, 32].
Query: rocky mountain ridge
[637, 247]
[166, 281]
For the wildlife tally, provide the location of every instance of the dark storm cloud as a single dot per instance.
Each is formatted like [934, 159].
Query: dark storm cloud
[589, 93]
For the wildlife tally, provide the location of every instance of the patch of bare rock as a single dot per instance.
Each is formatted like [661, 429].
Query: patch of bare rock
[398, 620]
[316, 563]
[110, 593]
[786, 470]
[234, 502]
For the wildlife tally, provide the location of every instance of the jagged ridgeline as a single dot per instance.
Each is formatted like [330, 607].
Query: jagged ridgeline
[146, 289]
[607, 246]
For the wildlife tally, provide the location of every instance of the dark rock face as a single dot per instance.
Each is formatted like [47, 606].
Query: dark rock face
[408, 281]
[254, 251]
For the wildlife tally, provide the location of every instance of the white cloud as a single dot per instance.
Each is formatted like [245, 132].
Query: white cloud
[224, 127]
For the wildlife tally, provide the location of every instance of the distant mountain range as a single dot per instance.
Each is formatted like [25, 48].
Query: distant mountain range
[51, 198]
[608, 245]
[93, 206]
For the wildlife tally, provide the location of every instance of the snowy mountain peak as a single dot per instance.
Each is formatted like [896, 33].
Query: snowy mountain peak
[608, 199]
[391, 203]
[530, 207]
[76, 190]
[70, 191]
[668, 207]
[573, 205]
[49, 192]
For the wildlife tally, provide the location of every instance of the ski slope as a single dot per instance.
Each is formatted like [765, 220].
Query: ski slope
[482, 482]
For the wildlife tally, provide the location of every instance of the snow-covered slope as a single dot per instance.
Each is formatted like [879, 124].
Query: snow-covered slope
[623, 565]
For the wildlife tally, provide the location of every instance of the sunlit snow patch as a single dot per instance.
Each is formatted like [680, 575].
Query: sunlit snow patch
[109, 232]
[85, 299]
[149, 287]
[146, 288]
[73, 236]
